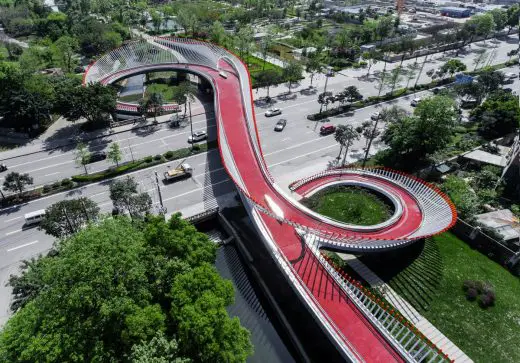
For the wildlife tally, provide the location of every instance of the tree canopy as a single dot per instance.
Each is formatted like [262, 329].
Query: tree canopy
[120, 292]
[498, 115]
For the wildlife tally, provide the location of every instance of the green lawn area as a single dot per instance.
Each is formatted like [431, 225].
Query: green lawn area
[430, 276]
[255, 64]
[164, 89]
[349, 205]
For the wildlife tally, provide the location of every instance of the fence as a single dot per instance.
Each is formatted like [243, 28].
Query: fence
[480, 241]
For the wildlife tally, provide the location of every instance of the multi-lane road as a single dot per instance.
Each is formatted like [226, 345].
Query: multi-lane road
[296, 152]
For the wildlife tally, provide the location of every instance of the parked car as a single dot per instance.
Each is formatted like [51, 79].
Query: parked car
[438, 90]
[198, 136]
[327, 129]
[415, 101]
[280, 125]
[97, 156]
[511, 75]
[375, 116]
[273, 112]
[3, 167]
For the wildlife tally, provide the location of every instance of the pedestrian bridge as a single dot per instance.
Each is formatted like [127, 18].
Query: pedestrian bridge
[362, 327]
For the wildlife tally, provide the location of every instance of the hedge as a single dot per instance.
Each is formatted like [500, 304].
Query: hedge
[145, 162]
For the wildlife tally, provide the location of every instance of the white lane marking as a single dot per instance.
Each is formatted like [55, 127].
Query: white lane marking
[300, 156]
[298, 145]
[58, 172]
[22, 246]
[12, 219]
[51, 166]
[194, 190]
[13, 232]
[286, 139]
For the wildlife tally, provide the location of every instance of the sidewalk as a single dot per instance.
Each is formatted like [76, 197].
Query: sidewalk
[407, 310]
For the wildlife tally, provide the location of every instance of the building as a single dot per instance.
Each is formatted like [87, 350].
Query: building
[456, 12]
[503, 222]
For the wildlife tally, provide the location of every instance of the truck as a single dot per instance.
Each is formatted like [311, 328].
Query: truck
[183, 170]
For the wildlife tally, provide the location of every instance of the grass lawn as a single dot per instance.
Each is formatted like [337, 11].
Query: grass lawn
[165, 90]
[349, 205]
[430, 277]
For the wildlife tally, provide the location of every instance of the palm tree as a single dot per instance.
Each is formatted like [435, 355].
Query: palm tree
[346, 137]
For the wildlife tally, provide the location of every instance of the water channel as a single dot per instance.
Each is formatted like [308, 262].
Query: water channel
[250, 306]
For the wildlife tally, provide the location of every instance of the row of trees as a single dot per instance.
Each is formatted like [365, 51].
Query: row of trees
[120, 291]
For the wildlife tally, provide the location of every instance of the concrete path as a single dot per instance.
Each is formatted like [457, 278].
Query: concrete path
[407, 310]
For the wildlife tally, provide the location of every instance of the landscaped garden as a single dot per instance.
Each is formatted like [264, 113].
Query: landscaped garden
[449, 283]
[350, 205]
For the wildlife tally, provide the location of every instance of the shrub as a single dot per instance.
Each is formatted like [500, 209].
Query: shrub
[66, 182]
[363, 64]
[196, 147]
[148, 159]
[46, 188]
[487, 300]
[469, 284]
[157, 157]
[168, 155]
[56, 185]
[471, 294]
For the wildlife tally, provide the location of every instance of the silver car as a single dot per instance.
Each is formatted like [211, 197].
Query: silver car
[198, 136]
[273, 112]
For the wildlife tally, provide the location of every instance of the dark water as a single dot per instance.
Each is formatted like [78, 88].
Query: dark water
[268, 345]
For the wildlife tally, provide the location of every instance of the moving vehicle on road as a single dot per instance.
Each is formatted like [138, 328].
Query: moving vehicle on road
[327, 129]
[3, 167]
[34, 217]
[438, 90]
[273, 112]
[197, 136]
[280, 125]
[375, 116]
[182, 171]
[97, 156]
[415, 101]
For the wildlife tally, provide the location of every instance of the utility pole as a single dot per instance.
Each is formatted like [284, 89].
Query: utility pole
[159, 192]
[191, 125]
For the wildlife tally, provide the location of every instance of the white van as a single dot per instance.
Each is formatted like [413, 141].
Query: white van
[34, 217]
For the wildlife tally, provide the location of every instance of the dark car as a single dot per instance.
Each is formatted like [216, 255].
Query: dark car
[280, 125]
[97, 156]
[3, 167]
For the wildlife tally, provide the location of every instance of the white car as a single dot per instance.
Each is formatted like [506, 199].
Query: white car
[415, 101]
[511, 75]
[375, 116]
[198, 136]
[273, 112]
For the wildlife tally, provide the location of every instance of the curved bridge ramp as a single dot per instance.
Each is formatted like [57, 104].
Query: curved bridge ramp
[363, 328]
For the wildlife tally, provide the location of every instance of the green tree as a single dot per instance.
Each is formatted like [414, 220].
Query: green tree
[67, 217]
[513, 14]
[158, 350]
[428, 130]
[268, 78]
[371, 58]
[157, 19]
[499, 19]
[453, 66]
[82, 156]
[218, 34]
[244, 41]
[65, 49]
[346, 135]
[93, 103]
[292, 73]
[461, 195]
[117, 278]
[484, 24]
[352, 94]
[490, 80]
[16, 182]
[126, 197]
[199, 300]
[153, 104]
[499, 115]
[114, 153]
